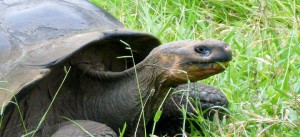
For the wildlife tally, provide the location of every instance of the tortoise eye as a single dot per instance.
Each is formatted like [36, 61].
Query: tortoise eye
[203, 50]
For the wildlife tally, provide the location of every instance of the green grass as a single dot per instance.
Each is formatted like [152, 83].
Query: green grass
[263, 80]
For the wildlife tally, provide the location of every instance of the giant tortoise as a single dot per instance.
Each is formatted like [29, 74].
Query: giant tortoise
[66, 63]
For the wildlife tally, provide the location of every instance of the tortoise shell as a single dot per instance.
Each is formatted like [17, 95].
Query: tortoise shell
[36, 35]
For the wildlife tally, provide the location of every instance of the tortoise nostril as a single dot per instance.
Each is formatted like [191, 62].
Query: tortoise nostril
[226, 46]
[203, 50]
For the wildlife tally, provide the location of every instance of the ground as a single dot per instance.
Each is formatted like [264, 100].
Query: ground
[263, 80]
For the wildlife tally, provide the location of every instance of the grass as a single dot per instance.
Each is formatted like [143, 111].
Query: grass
[262, 83]
[32, 133]
[142, 115]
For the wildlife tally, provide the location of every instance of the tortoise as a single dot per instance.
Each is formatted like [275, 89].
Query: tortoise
[79, 59]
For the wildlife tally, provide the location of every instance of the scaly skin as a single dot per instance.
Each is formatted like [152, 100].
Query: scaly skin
[201, 96]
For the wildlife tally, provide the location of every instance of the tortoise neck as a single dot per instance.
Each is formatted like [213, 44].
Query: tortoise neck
[119, 97]
[147, 90]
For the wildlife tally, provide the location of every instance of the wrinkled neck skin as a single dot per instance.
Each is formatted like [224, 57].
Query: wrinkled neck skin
[114, 98]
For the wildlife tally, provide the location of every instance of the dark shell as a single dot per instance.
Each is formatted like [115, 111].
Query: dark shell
[37, 34]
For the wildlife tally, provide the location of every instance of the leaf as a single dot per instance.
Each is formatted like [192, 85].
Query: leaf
[65, 69]
[282, 92]
[297, 48]
[262, 60]
[121, 57]
[123, 130]
[230, 35]
[157, 115]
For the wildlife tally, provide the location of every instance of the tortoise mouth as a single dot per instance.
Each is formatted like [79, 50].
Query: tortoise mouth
[199, 71]
[213, 65]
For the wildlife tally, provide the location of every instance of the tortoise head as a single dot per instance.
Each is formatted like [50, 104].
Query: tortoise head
[192, 60]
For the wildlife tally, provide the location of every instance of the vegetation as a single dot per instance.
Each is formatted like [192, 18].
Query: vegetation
[263, 80]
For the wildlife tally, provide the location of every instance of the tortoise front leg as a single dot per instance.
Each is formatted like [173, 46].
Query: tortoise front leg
[79, 128]
[203, 96]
